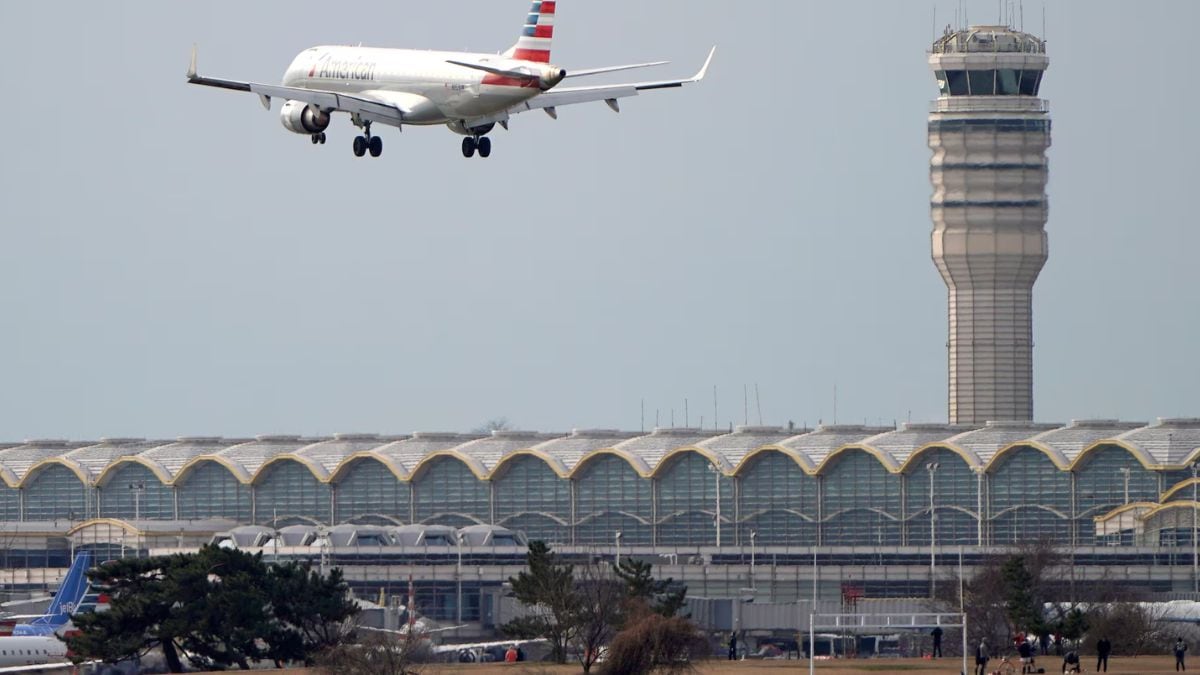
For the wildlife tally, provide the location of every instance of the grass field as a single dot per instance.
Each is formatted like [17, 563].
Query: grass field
[1142, 665]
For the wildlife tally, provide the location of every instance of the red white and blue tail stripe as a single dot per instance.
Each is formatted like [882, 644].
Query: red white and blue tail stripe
[534, 44]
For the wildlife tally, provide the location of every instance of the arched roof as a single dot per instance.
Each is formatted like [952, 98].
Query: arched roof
[1177, 488]
[318, 472]
[714, 458]
[796, 456]
[1172, 442]
[1053, 455]
[914, 459]
[1167, 444]
[553, 463]
[32, 474]
[885, 460]
[473, 465]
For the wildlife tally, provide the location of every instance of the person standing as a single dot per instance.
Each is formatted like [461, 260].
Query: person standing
[982, 654]
[1180, 650]
[937, 641]
[1025, 651]
[1103, 649]
[733, 646]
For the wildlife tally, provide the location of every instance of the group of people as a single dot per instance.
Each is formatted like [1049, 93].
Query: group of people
[1071, 661]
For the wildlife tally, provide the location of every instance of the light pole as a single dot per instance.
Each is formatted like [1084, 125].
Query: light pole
[1125, 471]
[753, 536]
[1195, 556]
[617, 537]
[137, 488]
[458, 574]
[717, 481]
[932, 467]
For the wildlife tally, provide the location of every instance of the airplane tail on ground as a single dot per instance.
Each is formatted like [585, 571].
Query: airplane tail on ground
[534, 44]
[67, 599]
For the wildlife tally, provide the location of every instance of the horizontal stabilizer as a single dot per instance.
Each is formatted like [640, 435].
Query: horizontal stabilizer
[517, 74]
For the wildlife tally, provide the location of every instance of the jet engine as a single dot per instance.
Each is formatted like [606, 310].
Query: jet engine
[302, 118]
[551, 76]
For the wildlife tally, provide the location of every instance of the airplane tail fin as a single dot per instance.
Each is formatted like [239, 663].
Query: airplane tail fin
[70, 592]
[534, 44]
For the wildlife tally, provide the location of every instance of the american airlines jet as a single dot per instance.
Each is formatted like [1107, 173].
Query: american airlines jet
[469, 93]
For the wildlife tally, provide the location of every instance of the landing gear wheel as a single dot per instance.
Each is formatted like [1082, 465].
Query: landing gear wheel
[316, 138]
[322, 137]
[468, 147]
[485, 147]
[375, 145]
[360, 146]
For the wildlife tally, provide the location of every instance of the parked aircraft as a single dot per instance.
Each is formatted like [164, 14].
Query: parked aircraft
[68, 600]
[469, 93]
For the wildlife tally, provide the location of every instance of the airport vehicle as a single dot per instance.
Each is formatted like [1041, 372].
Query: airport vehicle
[469, 93]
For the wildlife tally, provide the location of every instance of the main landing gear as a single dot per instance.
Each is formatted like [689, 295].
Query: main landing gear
[318, 138]
[367, 143]
[481, 143]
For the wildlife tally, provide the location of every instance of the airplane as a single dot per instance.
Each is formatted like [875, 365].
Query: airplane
[69, 599]
[469, 93]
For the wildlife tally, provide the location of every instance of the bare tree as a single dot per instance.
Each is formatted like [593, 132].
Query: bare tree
[494, 424]
[601, 597]
[654, 643]
[376, 653]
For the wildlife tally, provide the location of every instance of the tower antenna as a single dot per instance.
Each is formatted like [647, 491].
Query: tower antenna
[758, 404]
[745, 406]
[715, 422]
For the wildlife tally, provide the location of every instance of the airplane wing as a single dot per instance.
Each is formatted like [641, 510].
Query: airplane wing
[454, 649]
[41, 668]
[370, 109]
[609, 93]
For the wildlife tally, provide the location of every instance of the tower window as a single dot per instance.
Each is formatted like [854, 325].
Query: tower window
[1030, 81]
[1007, 82]
[983, 82]
[957, 81]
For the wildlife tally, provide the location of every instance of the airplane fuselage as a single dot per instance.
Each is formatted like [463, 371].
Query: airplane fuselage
[31, 651]
[424, 84]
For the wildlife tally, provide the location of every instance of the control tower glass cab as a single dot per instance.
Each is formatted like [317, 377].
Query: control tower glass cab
[989, 133]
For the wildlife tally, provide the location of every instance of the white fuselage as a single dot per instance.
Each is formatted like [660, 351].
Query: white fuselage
[421, 83]
[31, 651]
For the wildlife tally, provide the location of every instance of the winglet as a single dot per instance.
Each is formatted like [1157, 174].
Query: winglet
[191, 74]
[704, 70]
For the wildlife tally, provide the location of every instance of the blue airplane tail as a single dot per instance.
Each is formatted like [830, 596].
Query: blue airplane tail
[66, 600]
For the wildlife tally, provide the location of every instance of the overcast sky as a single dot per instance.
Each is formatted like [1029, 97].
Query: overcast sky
[175, 262]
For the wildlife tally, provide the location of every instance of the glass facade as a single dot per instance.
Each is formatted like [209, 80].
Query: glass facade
[1107, 478]
[56, 493]
[10, 503]
[287, 489]
[778, 501]
[1029, 498]
[132, 492]
[611, 497]
[687, 503]
[955, 499]
[531, 498]
[368, 492]
[209, 490]
[447, 493]
[860, 501]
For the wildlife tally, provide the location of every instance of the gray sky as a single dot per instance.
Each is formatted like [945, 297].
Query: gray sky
[175, 262]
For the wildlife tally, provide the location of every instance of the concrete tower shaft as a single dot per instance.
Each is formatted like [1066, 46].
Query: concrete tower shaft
[989, 133]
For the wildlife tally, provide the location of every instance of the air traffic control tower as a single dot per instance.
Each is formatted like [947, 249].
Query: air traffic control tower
[989, 133]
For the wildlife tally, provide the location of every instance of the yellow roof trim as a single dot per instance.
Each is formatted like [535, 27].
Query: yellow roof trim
[802, 460]
[885, 460]
[1139, 454]
[347, 462]
[313, 467]
[75, 468]
[631, 459]
[1050, 454]
[155, 468]
[473, 465]
[969, 457]
[551, 461]
[669, 458]
[238, 471]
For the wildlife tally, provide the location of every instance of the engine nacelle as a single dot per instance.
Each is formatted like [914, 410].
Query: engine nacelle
[458, 127]
[550, 77]
[302, 118]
